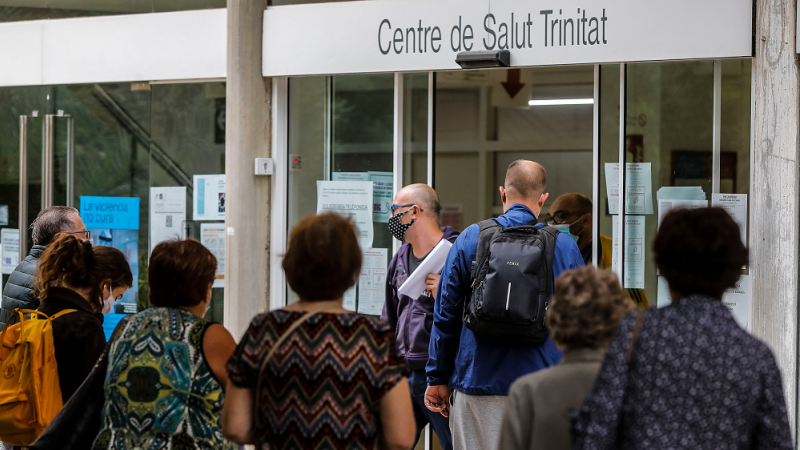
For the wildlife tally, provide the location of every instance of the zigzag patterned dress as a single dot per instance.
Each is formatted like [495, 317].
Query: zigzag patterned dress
[160, 392]
[323, 387]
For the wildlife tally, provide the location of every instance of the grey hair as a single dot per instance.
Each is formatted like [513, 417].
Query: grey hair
[50, 222]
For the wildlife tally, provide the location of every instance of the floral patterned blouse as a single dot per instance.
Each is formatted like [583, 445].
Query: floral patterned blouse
[160, 392]
[323, 387]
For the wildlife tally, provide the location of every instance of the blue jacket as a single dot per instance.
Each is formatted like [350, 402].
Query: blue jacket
[468, 363]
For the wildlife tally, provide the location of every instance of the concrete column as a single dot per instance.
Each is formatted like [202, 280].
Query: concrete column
[774, 194]
[247, 137]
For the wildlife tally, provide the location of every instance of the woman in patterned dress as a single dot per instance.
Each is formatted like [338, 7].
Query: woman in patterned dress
[693, 378]
[337, 381]
[166, 365]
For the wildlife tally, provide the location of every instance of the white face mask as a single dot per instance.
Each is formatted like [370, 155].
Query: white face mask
[108, 303]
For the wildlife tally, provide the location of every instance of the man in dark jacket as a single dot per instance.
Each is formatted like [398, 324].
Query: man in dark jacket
[415, 221]
[50, 222]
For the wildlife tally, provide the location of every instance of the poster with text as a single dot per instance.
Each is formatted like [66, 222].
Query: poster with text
[212, 236]
[9, 250]
[351, 199]
[382, 196]
[208, 197]
[736, 205]
[633, 268]
[638, 188]
[167, 213]
[372, 282]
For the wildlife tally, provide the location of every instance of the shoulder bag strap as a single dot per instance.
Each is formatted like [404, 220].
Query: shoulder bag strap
[286, 334]
[637, 328]
[321, 307]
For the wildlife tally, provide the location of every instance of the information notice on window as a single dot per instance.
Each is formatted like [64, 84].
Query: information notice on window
[167, 213]
[212, 236]
[209, 197]
[736, 205]
[633, 272]
[372, 282]
[638, 188]
[9, 249]
[351, 199]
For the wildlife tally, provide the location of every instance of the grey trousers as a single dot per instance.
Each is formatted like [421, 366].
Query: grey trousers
[475, 420]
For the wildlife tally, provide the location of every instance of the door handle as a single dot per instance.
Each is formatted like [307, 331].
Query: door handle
[47, 160]
[23, 186]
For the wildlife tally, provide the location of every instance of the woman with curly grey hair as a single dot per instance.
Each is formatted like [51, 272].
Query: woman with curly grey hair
[586, 309]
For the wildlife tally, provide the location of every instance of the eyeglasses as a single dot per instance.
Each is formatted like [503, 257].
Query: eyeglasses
[87, 233]
[394, 208]
[559, 218]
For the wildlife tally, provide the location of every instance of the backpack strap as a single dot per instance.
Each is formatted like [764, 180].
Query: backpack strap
[488, 230]
[62, 313]
[550, 236]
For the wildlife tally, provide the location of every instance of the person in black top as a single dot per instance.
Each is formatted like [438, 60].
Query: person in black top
[50, 223]
[75, 275]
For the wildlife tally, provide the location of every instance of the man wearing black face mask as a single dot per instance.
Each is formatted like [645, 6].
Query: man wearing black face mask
[415, 221]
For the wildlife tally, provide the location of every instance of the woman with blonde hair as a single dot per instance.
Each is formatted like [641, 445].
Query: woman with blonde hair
[584, 314]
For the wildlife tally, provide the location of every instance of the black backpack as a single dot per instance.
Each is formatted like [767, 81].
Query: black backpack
[512, 281]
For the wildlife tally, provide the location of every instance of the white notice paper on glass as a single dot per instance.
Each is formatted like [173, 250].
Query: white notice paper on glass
[665, 206]
[3, 214]
[212, 236]
[736, 205]
[372, 282]
[638, 188]
[663, 299]
[634, 251]
[209, 197]
[349, 302]
[382, 195]
[738, 300]
[414, 286]
[350, 199]
[9, 250]
[167, 213]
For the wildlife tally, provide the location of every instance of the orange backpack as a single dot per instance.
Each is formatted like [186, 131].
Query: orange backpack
[30, 396]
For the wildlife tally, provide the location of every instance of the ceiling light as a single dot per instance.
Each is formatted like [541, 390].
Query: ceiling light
[562, 101]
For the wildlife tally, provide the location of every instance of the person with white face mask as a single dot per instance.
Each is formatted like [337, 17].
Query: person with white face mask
[571, 214]
[74, 275]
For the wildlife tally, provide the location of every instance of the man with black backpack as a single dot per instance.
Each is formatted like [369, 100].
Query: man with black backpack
[489, 315]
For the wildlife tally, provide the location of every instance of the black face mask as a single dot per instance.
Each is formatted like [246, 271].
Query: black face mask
[398, 228]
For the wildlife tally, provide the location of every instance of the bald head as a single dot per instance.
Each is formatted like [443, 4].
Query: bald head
[422, 195]
[525, 181]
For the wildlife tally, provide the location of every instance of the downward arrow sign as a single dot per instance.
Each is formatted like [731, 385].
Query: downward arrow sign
[512, 84]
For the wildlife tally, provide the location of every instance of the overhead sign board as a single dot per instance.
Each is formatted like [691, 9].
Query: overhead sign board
[421, 35]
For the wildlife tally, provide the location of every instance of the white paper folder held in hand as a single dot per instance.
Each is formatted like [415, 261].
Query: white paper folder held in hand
[415, 284]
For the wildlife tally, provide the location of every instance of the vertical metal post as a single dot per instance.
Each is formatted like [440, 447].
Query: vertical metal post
[398, 142]
[623, 112]
[47, 160]
[431, 125]
[328, 133]
[717, 131]
[71, 160]
[23, 187]
[596, 165]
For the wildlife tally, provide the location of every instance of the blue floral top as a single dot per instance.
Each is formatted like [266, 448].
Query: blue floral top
[160, 392]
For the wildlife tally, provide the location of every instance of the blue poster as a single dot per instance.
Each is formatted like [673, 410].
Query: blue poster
[116, 213]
